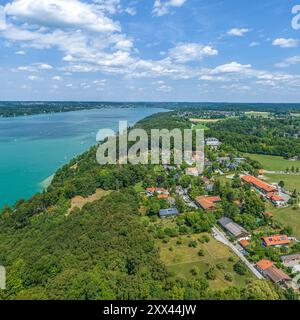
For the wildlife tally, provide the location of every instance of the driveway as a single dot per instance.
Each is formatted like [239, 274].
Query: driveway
[221, 237]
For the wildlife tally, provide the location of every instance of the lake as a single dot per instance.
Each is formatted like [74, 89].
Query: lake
[34, 147]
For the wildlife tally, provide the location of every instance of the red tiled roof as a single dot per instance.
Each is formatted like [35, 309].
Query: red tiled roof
[152, 189]
[275, 197]
[207, 202]
[259, 183]
[276, 240]
[162, 196]
[244, 243]
[264, 264]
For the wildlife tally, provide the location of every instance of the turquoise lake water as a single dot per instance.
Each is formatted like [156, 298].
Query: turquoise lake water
[32, 148]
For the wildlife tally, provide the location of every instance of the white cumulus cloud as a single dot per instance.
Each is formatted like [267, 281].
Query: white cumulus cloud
[57, 78]
[61, 14]
[286, 43]
[185, 52]
[236, 32]
[288, 62]
[2, 18]
[163, 7]
[232, 67]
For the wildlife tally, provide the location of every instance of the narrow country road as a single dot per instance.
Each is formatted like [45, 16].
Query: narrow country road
[221, 237]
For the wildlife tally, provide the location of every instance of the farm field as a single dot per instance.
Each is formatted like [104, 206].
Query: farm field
[273, 163]
[181, 259]
[292, 181]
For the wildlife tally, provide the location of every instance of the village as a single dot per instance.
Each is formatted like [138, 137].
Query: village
[268, 250]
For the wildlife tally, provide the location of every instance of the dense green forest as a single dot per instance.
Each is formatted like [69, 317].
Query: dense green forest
[105, 251]
[280, 137]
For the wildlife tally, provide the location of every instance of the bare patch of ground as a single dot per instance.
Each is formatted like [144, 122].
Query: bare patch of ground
[79, 201]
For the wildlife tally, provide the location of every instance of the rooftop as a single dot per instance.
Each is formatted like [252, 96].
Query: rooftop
[290, 257]
[207, 202]
[276, 240]
[275, 197]
[244, 243]
[168, 212]
[264, 264]
[235, 229]
[259, 183]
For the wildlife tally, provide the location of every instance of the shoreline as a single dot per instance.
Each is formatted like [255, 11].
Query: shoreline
[47, 182]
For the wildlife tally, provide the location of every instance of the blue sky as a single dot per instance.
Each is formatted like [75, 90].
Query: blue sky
[149, 50]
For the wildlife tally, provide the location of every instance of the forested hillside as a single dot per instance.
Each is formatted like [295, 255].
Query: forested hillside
[105, 250]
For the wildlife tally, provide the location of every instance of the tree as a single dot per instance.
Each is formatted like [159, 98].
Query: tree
[261, 290]
[228, 277]
[240, 268]
[211, 273]
[281, 184]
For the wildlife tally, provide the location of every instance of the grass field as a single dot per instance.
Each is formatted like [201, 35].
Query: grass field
[205, 120]
[292, 182]
[180, 259]
[295, 114]
[200, 126]
[288, 217]
[273, 163]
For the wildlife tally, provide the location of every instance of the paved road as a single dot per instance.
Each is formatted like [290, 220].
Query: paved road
[221, 237]
[283, 172]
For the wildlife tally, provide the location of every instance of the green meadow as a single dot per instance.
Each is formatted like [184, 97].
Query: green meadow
[291, 181]
[273, 163]
[182, 259]
[289, 216]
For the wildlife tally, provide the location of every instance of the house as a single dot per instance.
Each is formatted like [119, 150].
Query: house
[209, 187]
[205, 180]
[276, 241]
[260, 185]
[164, 213]
[223, 160]
[179, 191]
[152, 190]
[192, 172]
[163, 196]
[234, 229]
[239, 160]
[277, 200]
[171, 201]
[232, 165]
[207, 202]
[213, 143]
[267, 269]
[244, 243]
[290, 260]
